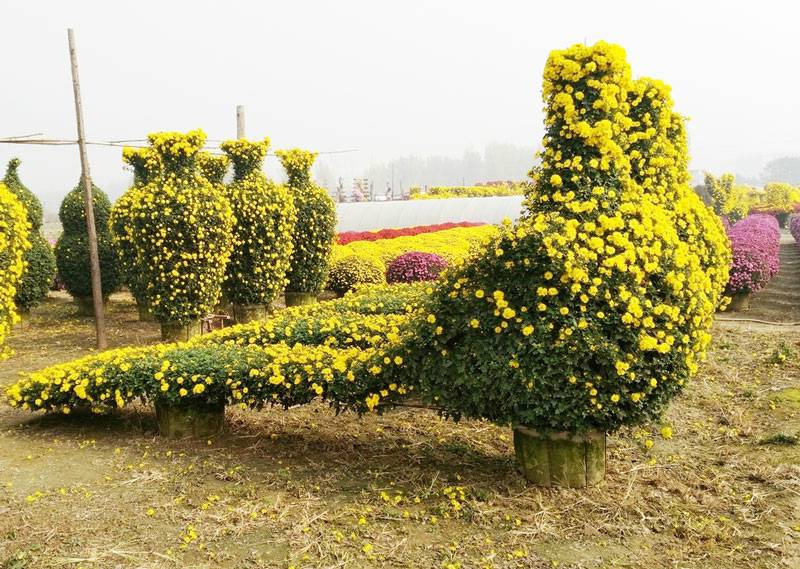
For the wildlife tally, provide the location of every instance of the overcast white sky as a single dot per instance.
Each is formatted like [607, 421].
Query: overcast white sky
[388, 78]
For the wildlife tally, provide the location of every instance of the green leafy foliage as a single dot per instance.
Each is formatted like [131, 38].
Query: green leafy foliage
[40, 269]
[74, 267]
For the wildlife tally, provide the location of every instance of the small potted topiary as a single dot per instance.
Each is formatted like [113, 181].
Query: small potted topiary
[40, 261]
[415, 266]
[351, 271]
[145, 165]
[182, 235]
[262, 236]
[72, 248]
[315, 231]
[14, 243]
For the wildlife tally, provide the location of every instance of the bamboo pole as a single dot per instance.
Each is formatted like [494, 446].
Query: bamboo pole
[240, 121]
[94, 257]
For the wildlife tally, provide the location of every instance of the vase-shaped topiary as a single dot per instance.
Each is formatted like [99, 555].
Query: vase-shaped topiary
[145, 165]
[40, 261]
[14, 229]
[265, 221]
[72, 248]
[182, 235]
[315, 233]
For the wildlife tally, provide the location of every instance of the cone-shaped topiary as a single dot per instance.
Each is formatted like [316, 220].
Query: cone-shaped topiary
[40, 262]
[591, 312]
[40, 269]
[182, 235]
[145, 165]
[14, 228]
[32, 205]
[316, 224]
[265, 220]
[72, 247]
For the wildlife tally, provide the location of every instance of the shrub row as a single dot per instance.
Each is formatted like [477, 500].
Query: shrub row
[444, 192]
[349, 236]
[755, 241]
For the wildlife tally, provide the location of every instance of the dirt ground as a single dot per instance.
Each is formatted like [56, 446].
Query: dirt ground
[306, 488]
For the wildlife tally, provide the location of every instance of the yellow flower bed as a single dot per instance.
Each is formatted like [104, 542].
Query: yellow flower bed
[452, 244]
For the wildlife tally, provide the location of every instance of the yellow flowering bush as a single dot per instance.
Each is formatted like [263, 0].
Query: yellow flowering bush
[592, 311]
[182, 231]
[146, 166]
[262, 236]
[315, 232]
[728, 199]
[349, 272]
[213, 167]
[72, 247]
[14, 228]
[40, 262]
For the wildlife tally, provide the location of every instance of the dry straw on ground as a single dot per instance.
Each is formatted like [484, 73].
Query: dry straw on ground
[306, 488]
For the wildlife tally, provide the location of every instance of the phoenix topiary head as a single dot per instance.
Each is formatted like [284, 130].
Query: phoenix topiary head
[33, 206]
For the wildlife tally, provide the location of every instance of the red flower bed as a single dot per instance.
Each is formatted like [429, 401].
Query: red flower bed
[350, 236]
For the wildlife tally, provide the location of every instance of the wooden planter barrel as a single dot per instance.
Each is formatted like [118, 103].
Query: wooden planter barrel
[560, 459]
[300, 298]
[198, 421]
[244, 313]
[740, 302]
[178, 332]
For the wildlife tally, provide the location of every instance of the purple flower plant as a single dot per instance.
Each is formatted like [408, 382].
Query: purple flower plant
[755, 241]
[415, 266]
[794, 228]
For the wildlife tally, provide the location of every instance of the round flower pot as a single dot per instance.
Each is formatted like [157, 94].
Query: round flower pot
[244, 313]
[740, 302]
[560, 459]
[145, 314]
[179, 332]
[198, 421]
[300, 298]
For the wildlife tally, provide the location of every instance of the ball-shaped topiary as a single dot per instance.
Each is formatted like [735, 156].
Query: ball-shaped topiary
[415, 266]
[182, 232]
[265, 221]
[349, 272]
[29, 200]
[72, 212]
[40, 269]
[40, 262]
[72, 247]
[316, 224]
[593, 311]
[14, 228]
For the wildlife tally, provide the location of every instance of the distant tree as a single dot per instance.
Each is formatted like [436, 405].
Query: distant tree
[786, 169]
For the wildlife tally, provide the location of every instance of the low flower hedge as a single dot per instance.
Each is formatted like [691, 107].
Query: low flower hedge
[445, 192]
[352, 271]
[755, 241]
[349, 236]
[794, 228]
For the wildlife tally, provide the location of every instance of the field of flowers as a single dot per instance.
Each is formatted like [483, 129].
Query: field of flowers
[445, 192]
[348, 236]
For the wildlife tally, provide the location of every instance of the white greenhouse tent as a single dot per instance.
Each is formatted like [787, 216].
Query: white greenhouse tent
[367, 216]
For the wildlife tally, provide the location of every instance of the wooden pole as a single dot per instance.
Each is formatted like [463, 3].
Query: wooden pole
[94, 257]
[240, 121]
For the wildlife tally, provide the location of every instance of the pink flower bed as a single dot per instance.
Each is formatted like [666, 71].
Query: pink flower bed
[415, 266]
[794, 228]
[349, 236]
[755, 241]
